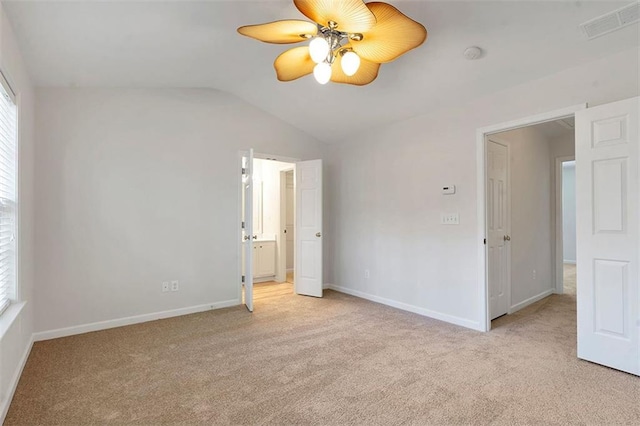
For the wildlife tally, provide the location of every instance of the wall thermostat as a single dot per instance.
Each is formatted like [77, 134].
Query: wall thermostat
[449, 190]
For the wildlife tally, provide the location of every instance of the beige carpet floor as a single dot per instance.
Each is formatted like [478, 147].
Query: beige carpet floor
[338, 360]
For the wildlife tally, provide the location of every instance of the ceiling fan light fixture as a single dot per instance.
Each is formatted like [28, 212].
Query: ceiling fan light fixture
[322, 72]
[318, 49]
[350, 63]
[360, 36]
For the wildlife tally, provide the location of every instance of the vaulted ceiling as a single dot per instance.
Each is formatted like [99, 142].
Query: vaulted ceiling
[194, 44]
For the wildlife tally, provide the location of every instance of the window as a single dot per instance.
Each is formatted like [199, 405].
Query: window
[8, 198]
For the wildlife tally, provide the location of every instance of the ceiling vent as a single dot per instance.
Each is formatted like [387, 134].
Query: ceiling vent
[612, 21]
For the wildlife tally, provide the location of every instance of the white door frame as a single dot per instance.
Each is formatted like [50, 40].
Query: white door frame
[261, 156]
[239, 230]
[559, 224]
[481, 201]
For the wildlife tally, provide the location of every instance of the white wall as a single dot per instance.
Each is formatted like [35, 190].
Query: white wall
[16, 324]
[384, 193]
[269, 174]
[563, 146]
[136, 187]
[569, 212]
[530, 214]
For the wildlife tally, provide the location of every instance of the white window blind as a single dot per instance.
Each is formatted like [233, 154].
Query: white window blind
[8, 199]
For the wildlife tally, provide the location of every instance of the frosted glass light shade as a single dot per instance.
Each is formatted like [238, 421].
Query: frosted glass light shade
[318, 49]
[322, 72]
[350, 63]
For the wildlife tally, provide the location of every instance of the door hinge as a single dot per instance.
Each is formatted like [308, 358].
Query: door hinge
[485, 241]
[242, 224]
[243, 278]
[244, 171]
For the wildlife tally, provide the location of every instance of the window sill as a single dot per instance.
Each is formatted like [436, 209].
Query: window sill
[9, 316]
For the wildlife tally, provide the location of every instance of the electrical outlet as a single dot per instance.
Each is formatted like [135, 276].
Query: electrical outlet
[165, 286]
[367, 274]
[450, 219]
[175, 286]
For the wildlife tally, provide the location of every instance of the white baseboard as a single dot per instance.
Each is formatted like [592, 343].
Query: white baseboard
[531, 300]
[463, 322]
[103, 325]
[14, 381]
[570, 262]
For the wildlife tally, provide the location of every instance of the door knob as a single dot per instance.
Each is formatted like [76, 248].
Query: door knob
[507, 238]
[318, 234]
[255, 237]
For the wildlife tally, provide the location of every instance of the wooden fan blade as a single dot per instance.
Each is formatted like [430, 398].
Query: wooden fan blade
[281, 32]
[293, 64]
[367, 72]
[393, 35]
[352, 16]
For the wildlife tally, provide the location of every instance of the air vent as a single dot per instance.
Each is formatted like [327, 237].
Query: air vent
[630, 14]
[612, 21]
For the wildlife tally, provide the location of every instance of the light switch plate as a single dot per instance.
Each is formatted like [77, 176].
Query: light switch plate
[449, 190]
[450, 219]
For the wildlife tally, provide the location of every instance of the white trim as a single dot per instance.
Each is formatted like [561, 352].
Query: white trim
[559, 231]
[463, 322]
[274, 157]
[239, 242]
[485, 321]
[8, 87]
[531, 300]
[10, 316]
[13, 384]
[281, 247]
[104, 325]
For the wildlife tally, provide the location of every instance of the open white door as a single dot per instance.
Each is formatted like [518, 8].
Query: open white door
[308, 228]
[608, 235]
[497, 229]
[247, 229]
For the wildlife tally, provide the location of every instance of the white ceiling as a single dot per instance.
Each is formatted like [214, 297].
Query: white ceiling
[557, 129]
[185, 43]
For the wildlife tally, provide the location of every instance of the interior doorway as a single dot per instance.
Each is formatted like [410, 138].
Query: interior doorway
[566, 216]
[518, 220]
[522, 232]
[607, 154]
[281, 226]
[272, 197]
[288, 207]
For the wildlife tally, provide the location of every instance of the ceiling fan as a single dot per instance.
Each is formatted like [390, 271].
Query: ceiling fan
[349, 40]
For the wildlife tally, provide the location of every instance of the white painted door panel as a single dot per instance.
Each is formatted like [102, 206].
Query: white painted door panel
[497, 228]
[608, 234]
[247, 234]
[308, 225]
